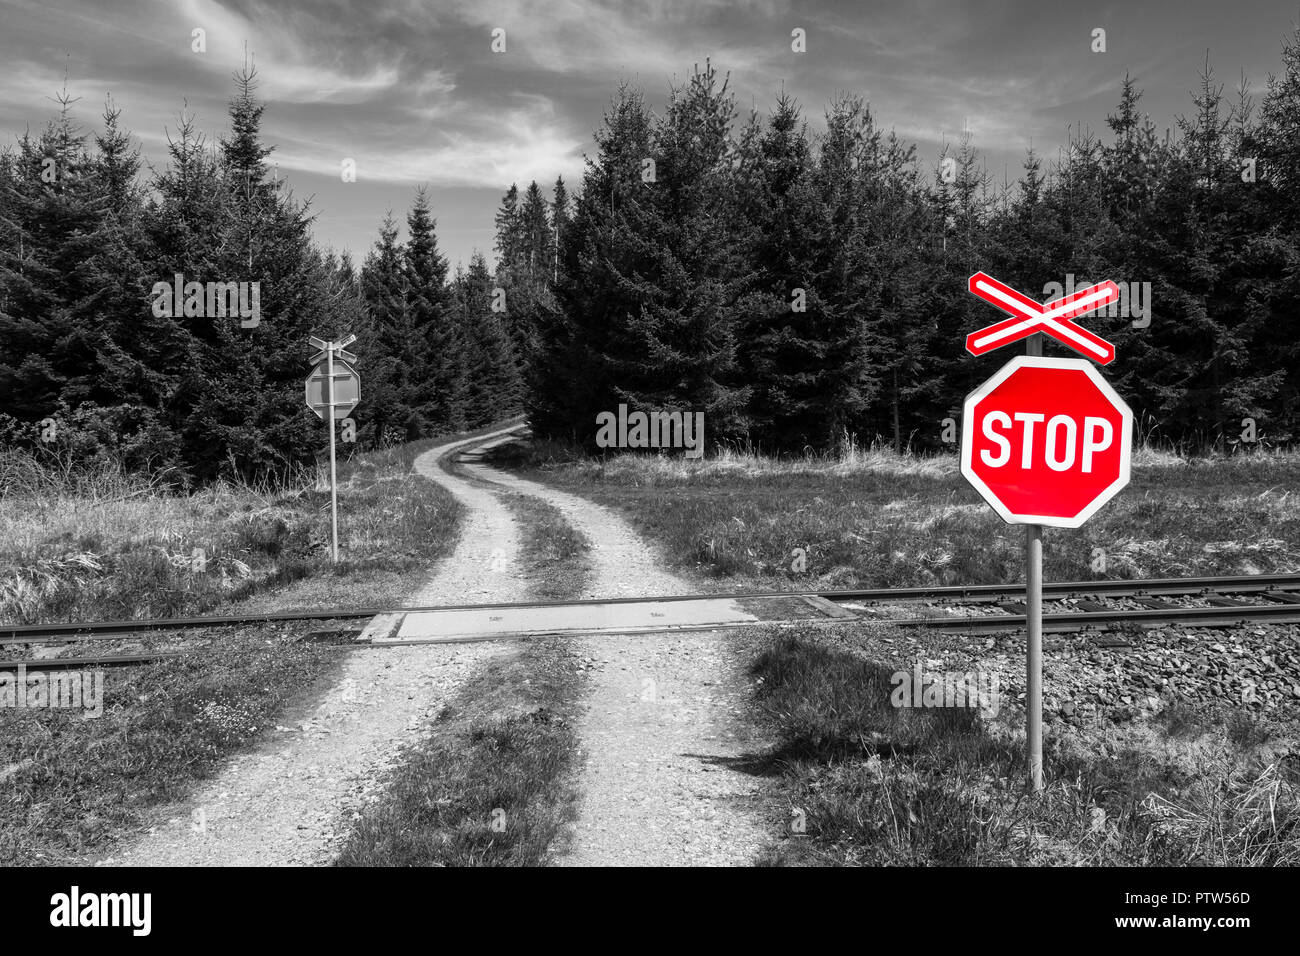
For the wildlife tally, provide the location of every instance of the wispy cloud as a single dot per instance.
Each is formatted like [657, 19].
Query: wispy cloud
[413, 92]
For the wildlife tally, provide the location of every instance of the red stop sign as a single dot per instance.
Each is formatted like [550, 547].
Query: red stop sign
[1046, 441]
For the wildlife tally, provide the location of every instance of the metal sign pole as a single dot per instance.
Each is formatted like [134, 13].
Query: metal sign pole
[329, 420]
[1034, 631]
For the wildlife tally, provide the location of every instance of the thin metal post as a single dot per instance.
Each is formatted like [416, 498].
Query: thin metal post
[1034, 653]
[329, 420]
[1034, 632]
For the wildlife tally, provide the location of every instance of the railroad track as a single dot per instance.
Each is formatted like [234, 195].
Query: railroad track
[1069, 606]
[93, 660]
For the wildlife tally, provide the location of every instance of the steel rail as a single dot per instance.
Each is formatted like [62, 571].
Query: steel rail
[102, 660]
[976, 593]
[1099, 622]
[1064, 621]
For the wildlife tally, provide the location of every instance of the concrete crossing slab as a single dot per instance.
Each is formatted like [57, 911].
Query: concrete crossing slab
[630, 617]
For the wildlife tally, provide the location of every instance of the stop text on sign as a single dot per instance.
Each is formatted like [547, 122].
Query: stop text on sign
[1046, 441]
[1057, 444]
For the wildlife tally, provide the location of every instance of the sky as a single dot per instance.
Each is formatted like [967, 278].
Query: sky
[414, 94]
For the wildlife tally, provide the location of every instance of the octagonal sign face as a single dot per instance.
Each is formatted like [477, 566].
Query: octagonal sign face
[347, 389]
[1046, 441]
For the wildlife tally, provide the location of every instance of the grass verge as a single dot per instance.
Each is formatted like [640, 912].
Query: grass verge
[98, 544]
[876, 519]
[495, 783]
[1198, 783]
[71, 786]
[869, 783]
[95, 545]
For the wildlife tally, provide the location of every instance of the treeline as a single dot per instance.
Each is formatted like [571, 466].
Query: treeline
[436, 353]
[795, 288]
[798, 288]
[450, 355]
[91, 364]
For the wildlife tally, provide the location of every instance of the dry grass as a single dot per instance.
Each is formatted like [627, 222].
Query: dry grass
[877, 519]
[849, 459]
[879, 785]
[74, 787]
[674, 468]
[495, 782]
[92, 543]
[492, 785]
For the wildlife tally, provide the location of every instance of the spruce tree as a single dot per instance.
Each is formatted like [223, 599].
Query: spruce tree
[1277, 161]
[781, 353]
[438, 377]
[494, 383]
[600, 255]
[53, 273]
[560, 218]
[251, 419]
[676, 346]
[389, 349]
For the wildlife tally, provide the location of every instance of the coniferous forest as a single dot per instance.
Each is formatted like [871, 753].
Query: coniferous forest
[800, 279]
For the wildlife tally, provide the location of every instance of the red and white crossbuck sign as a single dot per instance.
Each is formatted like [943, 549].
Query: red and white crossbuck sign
[1029, 317]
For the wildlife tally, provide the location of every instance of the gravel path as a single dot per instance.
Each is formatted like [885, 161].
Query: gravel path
[661, 728]
[662, 724]
[292, 800]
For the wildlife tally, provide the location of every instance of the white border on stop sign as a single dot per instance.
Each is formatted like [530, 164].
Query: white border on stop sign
[1000, 376]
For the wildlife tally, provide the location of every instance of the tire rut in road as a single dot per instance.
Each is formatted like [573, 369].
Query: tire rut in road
[664, 725]
[292, 799]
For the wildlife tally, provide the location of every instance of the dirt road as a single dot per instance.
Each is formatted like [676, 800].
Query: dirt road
[662, 725]
[291, 800]
[660, 732]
